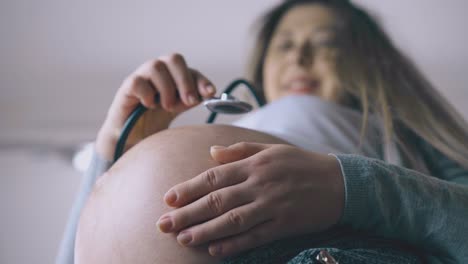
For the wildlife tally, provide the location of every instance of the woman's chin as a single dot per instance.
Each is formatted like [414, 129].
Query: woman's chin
[300, 92]
[293, 93]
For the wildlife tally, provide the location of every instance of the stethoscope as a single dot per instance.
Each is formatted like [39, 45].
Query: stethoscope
[224, 104]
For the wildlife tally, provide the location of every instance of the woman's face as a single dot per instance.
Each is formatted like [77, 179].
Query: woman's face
[301, 56]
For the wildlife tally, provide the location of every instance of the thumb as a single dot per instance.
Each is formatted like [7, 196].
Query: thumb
[236, 151]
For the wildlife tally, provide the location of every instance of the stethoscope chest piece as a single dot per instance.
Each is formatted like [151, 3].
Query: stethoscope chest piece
[227, 104]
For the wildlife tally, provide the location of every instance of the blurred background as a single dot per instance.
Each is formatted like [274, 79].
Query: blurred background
[62, 61]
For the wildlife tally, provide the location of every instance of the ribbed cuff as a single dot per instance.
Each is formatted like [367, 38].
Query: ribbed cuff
[355, 170]
[98, 165]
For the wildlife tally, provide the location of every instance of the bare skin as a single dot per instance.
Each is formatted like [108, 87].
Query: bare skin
[118, 224]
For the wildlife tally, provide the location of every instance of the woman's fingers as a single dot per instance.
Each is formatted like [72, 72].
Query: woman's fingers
[179, 86]
[142, 89]
[211, 180]
[236, 221]
[163, 82]
[236, 151]
[183, 78]
[167, 76]
[134, 89]
[218, 177]
[205, 87]
[205, 208]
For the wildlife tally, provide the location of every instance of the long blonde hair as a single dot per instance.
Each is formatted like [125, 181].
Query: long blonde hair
[381, 81]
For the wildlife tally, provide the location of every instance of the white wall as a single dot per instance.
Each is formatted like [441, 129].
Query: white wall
[61, 62]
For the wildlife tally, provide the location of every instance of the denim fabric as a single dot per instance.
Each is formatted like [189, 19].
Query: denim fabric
[359, 256]
[344, 246]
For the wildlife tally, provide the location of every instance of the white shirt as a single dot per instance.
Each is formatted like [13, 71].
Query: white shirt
[315, 125]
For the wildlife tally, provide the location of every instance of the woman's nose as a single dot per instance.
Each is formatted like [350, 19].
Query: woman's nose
[304, 55]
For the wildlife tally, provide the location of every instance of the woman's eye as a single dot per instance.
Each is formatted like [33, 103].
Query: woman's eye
[326, 43]
[284, 46]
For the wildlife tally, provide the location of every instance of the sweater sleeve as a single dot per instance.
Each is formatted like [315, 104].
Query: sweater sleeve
[403, 204]
[97, 167]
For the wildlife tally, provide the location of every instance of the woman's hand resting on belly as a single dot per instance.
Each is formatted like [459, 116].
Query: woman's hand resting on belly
[260, 194]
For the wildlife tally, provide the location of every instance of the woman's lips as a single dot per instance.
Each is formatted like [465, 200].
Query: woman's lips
[302, 86]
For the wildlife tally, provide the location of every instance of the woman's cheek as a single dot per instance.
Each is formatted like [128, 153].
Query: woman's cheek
[330, 83]
[272, 80]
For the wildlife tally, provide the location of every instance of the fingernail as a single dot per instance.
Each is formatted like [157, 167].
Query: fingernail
[170, 197]
[192, 99]
[215, 250]
[217, 148]
[210, 88]
[165, 224]
[184, 238]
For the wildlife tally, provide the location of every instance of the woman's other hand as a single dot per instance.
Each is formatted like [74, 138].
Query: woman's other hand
[178, 86]
[260, 194]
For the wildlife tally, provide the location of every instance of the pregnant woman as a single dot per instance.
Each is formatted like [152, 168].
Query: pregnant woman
[355, 156]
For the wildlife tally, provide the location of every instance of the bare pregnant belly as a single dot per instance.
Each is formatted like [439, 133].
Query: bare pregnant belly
[118, 224]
